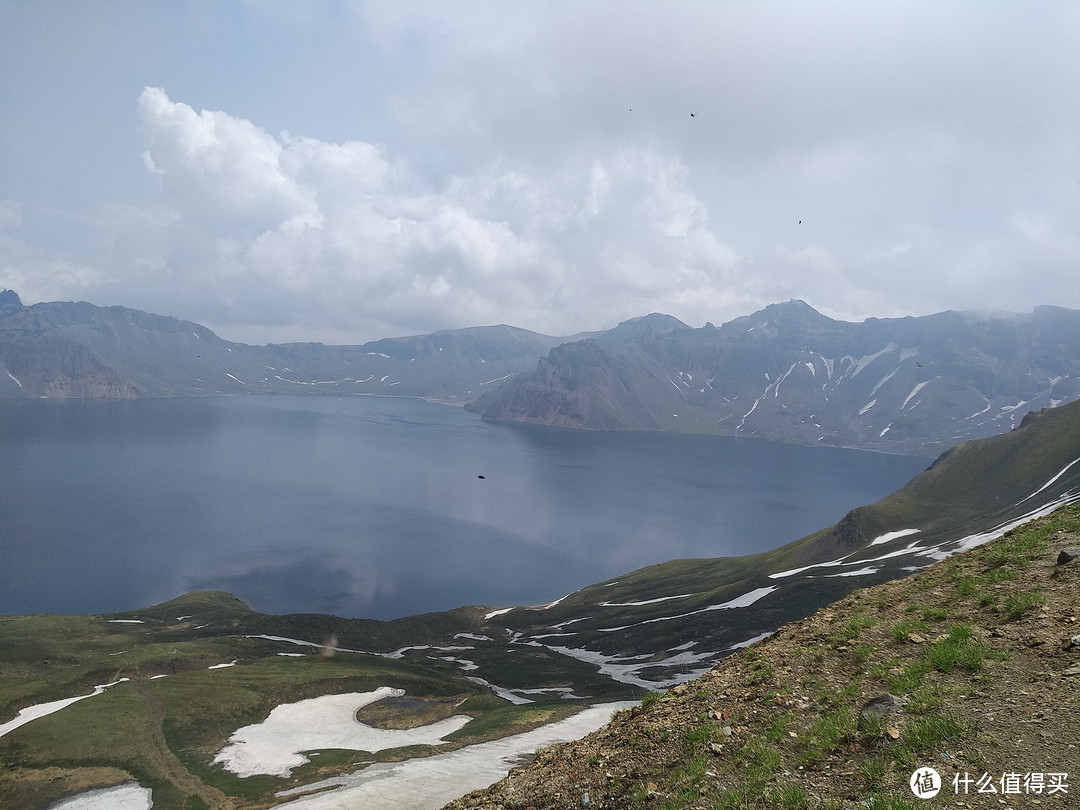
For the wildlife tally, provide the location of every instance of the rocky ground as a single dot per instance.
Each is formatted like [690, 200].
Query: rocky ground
[971, 667]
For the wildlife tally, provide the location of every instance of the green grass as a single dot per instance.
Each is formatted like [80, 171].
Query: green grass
[650, 700]
[923, 737]
[496, 718]
[1018, 605]
[701, 735]
[901, 630]
[826, 734]
[959, 649]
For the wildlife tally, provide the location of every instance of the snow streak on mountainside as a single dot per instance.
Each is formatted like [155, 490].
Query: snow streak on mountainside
[788, 373]
[668, 623]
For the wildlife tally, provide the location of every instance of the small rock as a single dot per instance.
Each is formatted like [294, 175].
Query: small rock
[915, 638]
[585, 800]
[727, 731]
[893, 732]
[879, 707]
[681, 689]
[1071, 671]
[1074, 641]
[716, 748]
[1069, 554]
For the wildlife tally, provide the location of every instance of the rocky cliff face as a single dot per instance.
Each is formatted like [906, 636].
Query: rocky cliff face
[789, 373]
[41, 363]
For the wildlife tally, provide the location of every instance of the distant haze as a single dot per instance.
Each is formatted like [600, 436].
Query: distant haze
[349, 171]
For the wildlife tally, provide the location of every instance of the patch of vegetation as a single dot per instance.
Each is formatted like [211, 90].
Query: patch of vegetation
[505, 719]
[934, 614]
[650, 700]
[924, 735]
[958, 649]
[858, 621]
[1018, 605]
[901, 630]
[826, 734]
[701, 735]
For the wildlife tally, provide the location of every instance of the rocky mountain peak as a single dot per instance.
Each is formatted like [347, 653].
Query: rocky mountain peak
[789, 313]
[10, 303]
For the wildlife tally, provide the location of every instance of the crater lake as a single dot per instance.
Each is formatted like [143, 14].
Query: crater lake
[380, 507]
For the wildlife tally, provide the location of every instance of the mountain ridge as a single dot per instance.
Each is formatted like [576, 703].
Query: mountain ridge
[59, 349]
[789, 373]
[914, 385]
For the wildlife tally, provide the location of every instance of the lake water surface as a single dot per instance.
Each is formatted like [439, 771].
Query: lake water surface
[376, 507]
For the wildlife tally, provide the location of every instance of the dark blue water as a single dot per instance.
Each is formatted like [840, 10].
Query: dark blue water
[375, 507]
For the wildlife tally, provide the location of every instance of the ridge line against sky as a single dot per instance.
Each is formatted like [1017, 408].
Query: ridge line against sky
[345, 171]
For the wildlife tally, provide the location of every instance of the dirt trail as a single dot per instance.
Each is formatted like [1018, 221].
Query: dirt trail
[178, 774]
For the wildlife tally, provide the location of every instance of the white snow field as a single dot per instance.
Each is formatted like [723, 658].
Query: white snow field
[428, 783]
[274, 746]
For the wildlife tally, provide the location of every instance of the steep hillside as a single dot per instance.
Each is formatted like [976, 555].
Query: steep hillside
[789, 373]
[662, 624]
[60, 350]
[971, 667]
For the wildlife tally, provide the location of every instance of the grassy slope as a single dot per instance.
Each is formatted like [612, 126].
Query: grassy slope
[165, 731]
[980, 646]
[972, 488]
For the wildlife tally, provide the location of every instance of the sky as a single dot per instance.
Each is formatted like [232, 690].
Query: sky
[345, 171]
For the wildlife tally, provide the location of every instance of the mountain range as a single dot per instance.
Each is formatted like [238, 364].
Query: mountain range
[75, 349]
[788, 373]
[914, 385]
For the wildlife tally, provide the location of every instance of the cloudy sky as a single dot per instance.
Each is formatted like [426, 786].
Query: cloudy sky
[343, 171]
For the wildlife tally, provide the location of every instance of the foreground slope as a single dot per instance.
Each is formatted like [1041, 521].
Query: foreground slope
[971, 667]
[788, 373]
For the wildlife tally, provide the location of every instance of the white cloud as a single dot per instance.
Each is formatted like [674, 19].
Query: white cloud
[371, 169]
[283, 229]
[10, 214]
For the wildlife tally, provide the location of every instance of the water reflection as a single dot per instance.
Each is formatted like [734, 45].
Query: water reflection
[375, 507]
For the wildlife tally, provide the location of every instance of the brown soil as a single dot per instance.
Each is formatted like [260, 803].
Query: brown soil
[775, 726]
